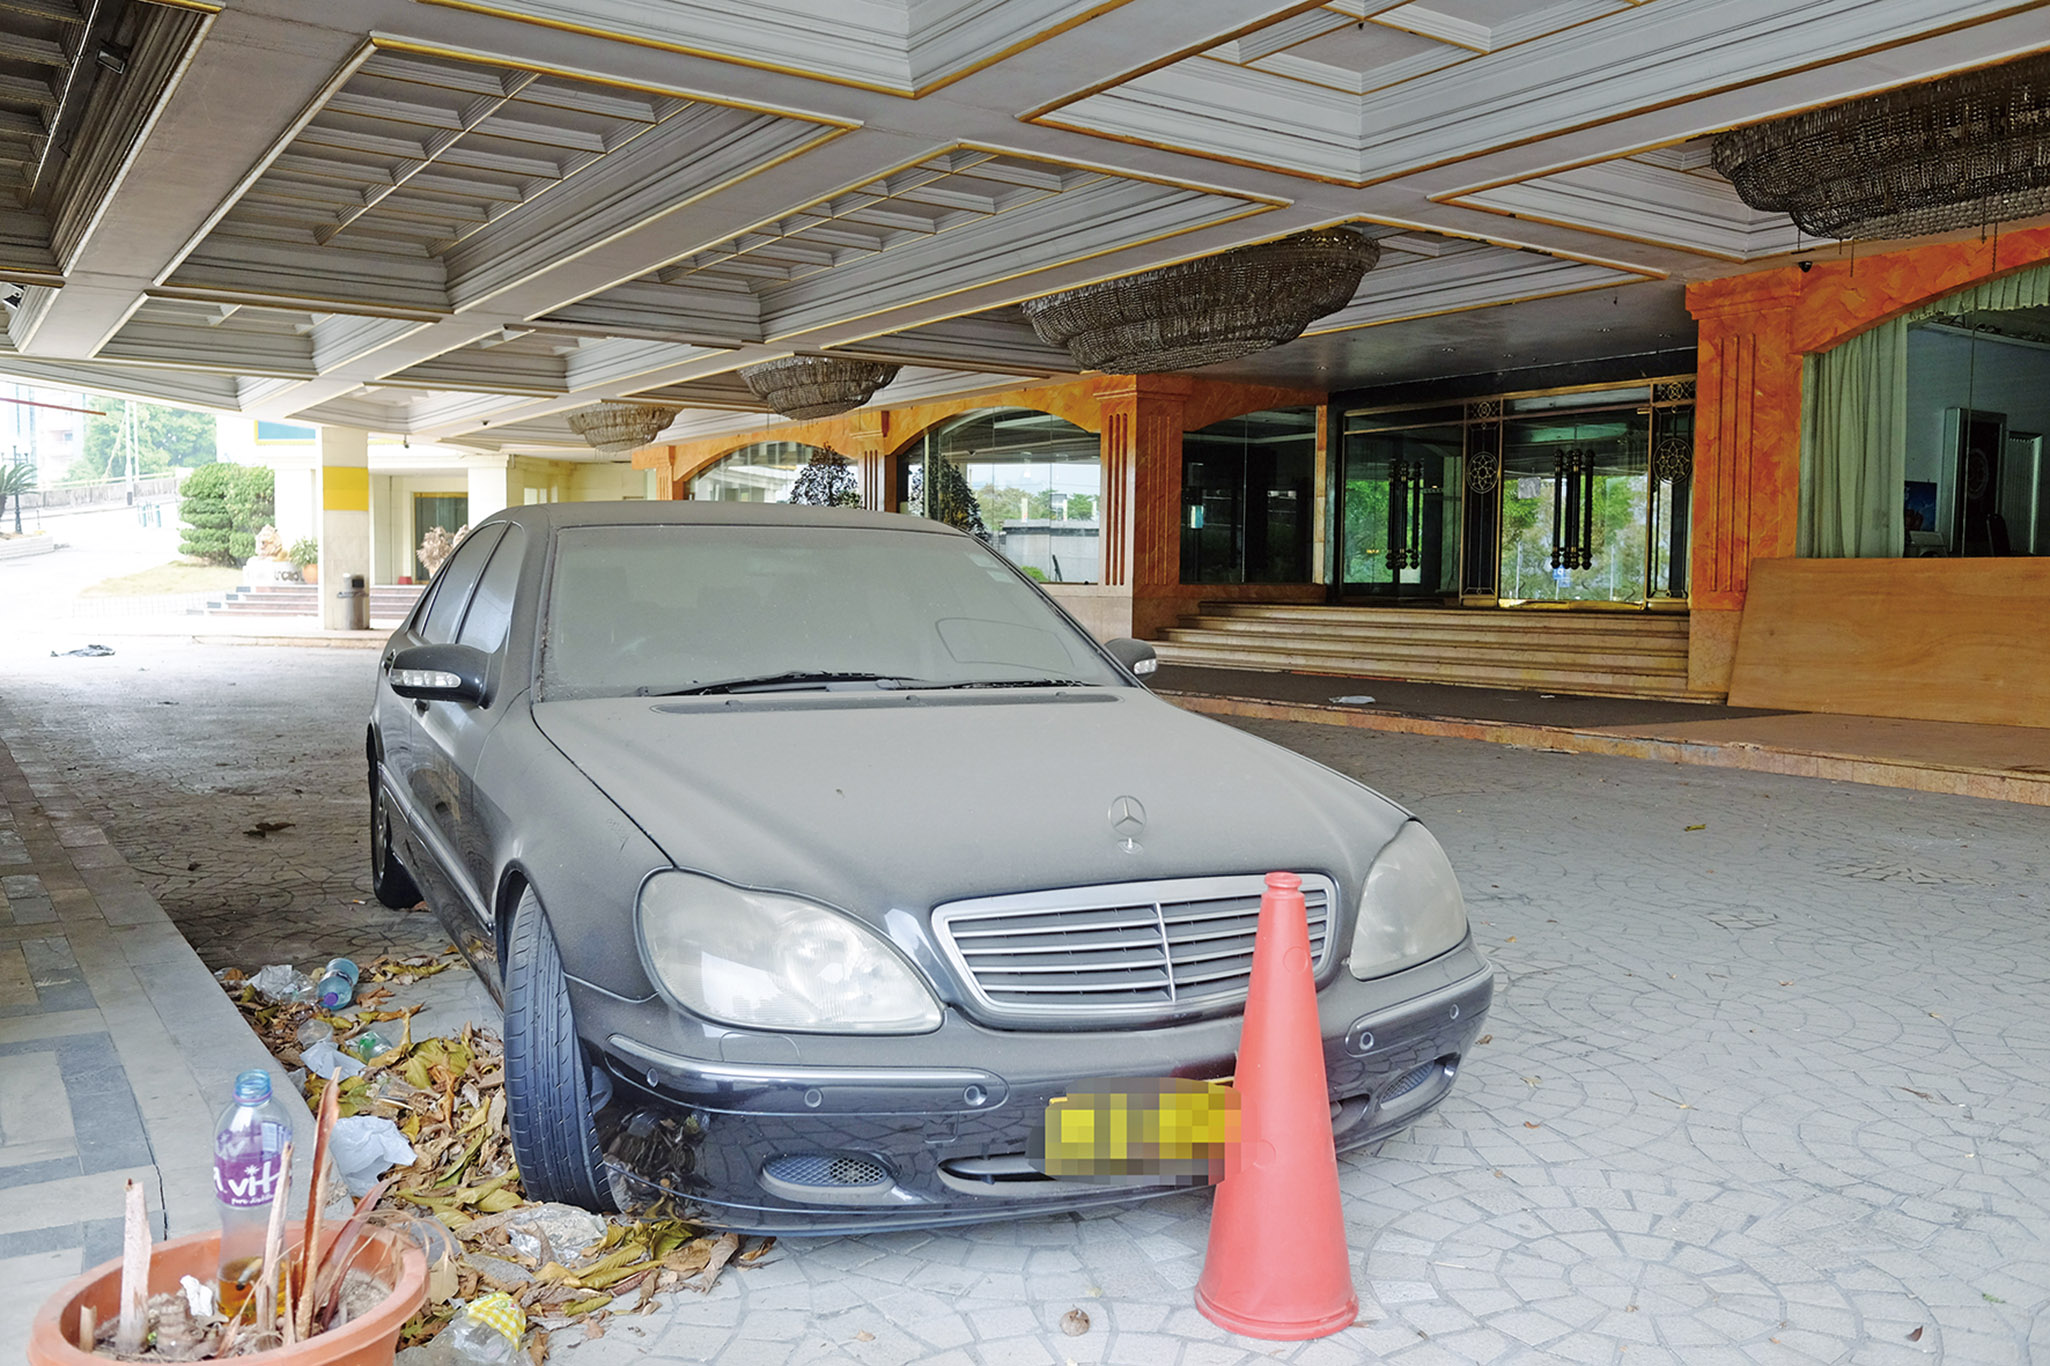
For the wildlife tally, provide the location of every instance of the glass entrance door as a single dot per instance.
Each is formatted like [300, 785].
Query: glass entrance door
[1575, 509]
[1399, 533]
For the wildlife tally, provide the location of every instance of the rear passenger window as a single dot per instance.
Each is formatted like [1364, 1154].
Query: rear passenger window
[490, 614]
[453, 584]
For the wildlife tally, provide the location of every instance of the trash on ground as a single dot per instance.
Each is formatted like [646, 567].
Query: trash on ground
[84, 652]
[323, 1059]
[337, 984]
[364, 1148]
[1354, 700]
[461, 1196]
[282, 982]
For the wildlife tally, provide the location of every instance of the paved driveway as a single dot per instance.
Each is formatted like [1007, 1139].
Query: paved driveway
[1768, 1078]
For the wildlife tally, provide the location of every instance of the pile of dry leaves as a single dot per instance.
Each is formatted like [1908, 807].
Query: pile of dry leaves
[447, 1097]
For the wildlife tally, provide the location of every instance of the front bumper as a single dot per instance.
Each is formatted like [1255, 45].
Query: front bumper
[832, 1147]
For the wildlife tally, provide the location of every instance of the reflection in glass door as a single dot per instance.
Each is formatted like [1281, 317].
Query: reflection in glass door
[1575, 509]
[1399, 534]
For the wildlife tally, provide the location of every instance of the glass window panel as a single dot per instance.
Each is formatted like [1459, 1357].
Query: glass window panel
[1575, 508]
[490, 614]
[1400, 532]
[452, 585]
[1028, 483]
[765, 472]
[1247, 502]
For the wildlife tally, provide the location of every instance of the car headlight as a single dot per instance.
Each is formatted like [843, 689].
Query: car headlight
[773, 962]
[1411, 910]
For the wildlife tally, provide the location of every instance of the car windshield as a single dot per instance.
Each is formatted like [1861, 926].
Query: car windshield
[679, 609]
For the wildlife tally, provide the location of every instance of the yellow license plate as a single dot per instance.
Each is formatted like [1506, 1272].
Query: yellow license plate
[1144, 1130]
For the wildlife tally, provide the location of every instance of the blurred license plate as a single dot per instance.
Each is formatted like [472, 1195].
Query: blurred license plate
[1144, 1130]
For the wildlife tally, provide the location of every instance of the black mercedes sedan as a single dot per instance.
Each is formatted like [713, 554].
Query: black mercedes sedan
[813, 852]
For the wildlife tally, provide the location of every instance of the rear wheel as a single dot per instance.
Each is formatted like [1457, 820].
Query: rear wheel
[547, 1084]
[390, 883]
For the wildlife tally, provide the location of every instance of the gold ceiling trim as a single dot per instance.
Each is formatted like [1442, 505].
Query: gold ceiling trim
[778, 68]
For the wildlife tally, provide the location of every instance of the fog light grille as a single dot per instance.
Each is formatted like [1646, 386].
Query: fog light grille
[826, 1172]
[1408, 1082]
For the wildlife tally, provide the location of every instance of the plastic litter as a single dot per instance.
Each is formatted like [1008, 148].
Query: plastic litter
[364, 1147]
[325, 1060]
[1357, 700]
[369, 1044]
[486, 1333]
[199, 1296]
[314, 1030]
[569, 1231]
[282, 982]
[84, 652]
[338, 983]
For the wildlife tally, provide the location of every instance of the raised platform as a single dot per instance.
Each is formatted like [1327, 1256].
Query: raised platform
[1618, 654]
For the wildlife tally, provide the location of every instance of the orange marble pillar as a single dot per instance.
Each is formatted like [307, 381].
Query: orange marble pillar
[1747, 456]
[869, 441]
[1142, 492]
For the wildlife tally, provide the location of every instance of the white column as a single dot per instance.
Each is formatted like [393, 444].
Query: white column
[344, 517]
[490, 481]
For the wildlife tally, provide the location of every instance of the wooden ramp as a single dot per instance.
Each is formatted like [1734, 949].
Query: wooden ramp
[1626, 654]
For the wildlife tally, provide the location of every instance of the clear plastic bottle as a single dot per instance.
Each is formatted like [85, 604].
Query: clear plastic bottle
[249, 1145]
[486, 1333]
[337, 984]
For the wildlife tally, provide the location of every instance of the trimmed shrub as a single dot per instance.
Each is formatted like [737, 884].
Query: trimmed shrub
[223, 506]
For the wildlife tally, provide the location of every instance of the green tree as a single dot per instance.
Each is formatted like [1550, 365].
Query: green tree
[826, 481]
[165, 438]
[223, 506]
[953, 502]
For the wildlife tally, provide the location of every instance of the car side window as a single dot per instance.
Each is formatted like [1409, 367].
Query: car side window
[453, 585]
[490, 615]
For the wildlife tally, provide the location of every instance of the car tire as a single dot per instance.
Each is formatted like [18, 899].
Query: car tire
[390, 883]
[548, 1089]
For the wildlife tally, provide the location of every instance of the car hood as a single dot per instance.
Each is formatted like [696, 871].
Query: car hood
[873, 802]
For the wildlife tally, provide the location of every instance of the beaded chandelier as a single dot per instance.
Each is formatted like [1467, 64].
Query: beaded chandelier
[616, 428]
[1213, 309]
[1960, 152]
[816, 386]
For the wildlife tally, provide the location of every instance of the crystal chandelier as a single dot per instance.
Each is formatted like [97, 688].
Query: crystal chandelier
[1959, 152]
[616, 428]
[816, 386]
[1213, 309]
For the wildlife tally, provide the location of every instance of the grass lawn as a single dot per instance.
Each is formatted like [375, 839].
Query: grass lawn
[168, 578]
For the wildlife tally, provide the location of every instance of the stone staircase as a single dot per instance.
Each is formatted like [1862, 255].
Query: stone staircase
[388, 603]
[1626, 654]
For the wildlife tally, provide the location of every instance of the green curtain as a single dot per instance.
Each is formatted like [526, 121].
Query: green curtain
[1854, 446]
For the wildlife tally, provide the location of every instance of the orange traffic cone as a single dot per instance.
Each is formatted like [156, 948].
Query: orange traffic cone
[1278, 1267]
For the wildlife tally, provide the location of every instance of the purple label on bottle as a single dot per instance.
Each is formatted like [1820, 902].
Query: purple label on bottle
[247, 1167]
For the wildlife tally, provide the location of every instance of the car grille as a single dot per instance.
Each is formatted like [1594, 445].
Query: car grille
[1122, 953]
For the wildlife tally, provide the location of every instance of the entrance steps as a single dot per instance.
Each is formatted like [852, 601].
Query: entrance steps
[1633, 654]
[389, 603]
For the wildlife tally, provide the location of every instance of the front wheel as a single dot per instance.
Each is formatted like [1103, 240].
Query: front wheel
[548, 1090]
[390, 883]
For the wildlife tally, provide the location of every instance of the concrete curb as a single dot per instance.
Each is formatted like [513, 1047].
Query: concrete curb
[1956, 780]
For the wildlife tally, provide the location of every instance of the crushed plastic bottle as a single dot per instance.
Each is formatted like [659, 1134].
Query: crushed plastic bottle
[249, 1144]
[280, 982]
[486, 1333]
[338, 983]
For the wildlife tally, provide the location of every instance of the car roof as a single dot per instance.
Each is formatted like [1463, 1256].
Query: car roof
[547, 517]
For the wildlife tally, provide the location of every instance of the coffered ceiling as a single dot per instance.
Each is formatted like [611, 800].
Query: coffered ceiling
[461, 219]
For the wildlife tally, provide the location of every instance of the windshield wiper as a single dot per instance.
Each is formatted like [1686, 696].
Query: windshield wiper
[1011, 683]
[796, 680]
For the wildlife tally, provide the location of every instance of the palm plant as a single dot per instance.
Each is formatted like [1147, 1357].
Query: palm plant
[15, 482]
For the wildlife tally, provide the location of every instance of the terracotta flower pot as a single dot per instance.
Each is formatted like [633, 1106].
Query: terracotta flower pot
[371, 1340]
[309, 573]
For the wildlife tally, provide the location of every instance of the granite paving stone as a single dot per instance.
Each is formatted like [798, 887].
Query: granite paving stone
[1767, 1077]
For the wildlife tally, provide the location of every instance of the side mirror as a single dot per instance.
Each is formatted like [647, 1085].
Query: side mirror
[439, 673]
[1135, 655]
